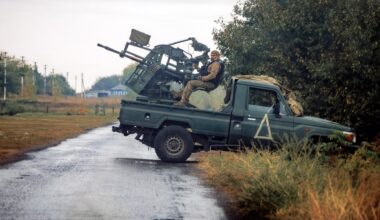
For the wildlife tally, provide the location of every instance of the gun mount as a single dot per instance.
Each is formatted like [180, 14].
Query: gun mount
[162, 67]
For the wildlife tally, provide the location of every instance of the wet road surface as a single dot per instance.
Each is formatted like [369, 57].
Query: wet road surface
[103, 175]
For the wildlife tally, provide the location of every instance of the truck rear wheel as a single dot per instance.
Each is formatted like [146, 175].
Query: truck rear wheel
[173, 144]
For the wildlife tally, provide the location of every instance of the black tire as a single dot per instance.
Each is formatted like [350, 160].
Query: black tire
[173, 144]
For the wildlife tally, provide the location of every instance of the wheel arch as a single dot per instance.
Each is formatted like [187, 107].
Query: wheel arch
[180, 123]
[318, 138]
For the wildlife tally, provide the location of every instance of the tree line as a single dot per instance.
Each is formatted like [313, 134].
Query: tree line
[327, 51]
[108, 82]
[33, 81]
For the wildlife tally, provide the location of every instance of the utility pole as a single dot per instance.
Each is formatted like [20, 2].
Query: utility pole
[82, 86]
[5, 76]
[52, 82]
[22, 77]
[34, 73]
[45, 79]
[75, 83]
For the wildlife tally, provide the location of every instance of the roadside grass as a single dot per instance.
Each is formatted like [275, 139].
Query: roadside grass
[47, 121]
[298, 181]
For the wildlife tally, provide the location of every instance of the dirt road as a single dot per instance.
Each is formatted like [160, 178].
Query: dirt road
[103, 175]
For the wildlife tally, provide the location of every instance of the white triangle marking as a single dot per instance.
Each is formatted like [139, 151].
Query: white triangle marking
[266, 121]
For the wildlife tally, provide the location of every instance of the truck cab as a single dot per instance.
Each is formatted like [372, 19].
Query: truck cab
[261, 116]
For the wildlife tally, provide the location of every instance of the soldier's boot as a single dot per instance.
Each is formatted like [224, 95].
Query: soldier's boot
[180, 104]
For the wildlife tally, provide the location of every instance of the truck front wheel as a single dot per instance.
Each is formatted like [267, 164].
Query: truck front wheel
[173, 144]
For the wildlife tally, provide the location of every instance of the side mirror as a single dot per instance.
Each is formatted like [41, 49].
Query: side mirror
[276, 109]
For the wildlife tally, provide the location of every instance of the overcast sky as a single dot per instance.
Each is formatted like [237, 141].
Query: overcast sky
[63, 33]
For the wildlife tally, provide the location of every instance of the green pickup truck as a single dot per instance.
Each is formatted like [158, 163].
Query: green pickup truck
[256, 113]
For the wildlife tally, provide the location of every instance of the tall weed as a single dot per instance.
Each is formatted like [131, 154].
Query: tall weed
[299, 181]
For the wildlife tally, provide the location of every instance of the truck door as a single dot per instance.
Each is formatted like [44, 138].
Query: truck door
[261, 126]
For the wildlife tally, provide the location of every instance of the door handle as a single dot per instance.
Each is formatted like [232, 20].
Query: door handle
[251, 119]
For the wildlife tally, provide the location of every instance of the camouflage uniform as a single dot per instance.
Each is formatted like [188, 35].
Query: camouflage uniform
[212, 70]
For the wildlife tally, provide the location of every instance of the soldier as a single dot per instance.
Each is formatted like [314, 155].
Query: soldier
[206, 81]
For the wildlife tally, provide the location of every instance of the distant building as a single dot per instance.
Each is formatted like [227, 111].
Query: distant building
[97, 94]
[91, 94]
[119, 90]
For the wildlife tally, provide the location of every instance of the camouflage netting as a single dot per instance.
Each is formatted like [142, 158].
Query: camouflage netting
[295, 106]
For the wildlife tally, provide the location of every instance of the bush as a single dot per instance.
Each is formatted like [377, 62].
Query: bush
[11, 108]
[325, 51]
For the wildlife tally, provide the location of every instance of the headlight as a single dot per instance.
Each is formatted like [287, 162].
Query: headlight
[349, 136]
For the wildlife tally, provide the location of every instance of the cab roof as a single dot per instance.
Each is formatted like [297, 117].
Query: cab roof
[256, 82]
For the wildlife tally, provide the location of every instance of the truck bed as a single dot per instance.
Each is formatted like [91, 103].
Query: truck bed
[151, 115]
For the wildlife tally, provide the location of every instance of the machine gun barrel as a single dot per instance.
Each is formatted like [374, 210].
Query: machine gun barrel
[177, 42]
[121, 54]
